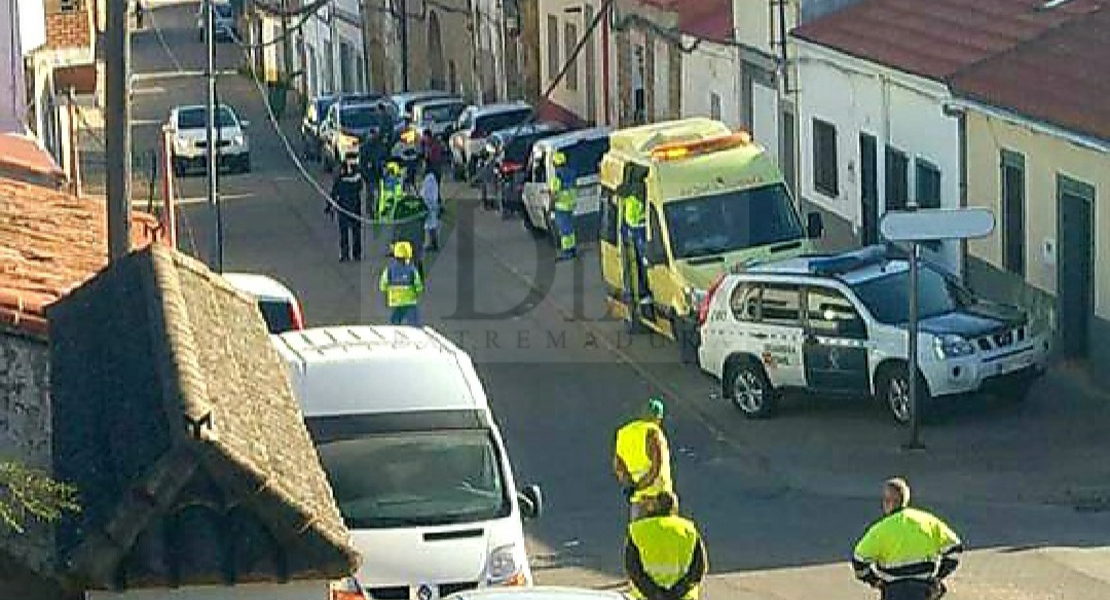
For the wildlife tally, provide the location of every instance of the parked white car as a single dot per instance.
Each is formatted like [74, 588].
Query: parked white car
[414, 457]
[279, 306]
[188, 127]
[836, 325]
[475, 124]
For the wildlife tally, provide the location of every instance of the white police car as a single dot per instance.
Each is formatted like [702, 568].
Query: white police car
[836, 325]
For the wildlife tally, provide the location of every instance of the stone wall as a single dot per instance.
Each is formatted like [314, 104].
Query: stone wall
[25, 429]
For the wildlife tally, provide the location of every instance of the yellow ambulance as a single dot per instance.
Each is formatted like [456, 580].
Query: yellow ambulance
[714, 202]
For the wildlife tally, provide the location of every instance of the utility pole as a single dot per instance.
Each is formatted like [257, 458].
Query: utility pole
[215, 258]
[117, 123]
[404, 45]
[286, 49]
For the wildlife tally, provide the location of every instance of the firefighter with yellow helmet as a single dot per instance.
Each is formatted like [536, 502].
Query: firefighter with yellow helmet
[564, 201]
[403, 286]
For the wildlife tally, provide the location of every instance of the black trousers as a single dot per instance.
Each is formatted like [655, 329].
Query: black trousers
[913, 590]
[350, 238]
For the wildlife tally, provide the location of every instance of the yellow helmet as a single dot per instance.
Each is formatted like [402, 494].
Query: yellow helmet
[402, 250]
[559, 159]
[393, 168]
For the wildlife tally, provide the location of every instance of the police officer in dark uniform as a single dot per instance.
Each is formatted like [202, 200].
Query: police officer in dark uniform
[346, 191]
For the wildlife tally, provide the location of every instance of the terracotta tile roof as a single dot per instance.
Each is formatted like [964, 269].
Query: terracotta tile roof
[50, 242]
[22, 158]
[1059, 77]
[706, 19]
[937, 38]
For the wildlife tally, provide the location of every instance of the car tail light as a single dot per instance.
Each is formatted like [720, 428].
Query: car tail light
[509, 167]
[703, 310]
[347, 588]
[296, 317]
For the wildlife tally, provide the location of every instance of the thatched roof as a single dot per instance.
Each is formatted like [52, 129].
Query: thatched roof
[174, 417]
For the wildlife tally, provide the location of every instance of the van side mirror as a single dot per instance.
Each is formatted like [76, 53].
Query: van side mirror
[815, 226]
[531, 502]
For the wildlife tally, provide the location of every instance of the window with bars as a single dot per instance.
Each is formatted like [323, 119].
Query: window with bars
[825, 178]
[1013, 211]
[570, 42]
[927, 183]
[553, 62]
[897, 179]
[715, 106]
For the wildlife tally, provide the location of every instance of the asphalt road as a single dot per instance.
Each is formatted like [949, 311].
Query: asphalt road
[780, 502]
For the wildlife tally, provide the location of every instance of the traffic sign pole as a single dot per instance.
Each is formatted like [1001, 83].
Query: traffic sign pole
[915, 227]
[914, 392]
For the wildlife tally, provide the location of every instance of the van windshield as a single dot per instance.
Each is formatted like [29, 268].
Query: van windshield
[584, 158]
[405, 479]
[732, 221]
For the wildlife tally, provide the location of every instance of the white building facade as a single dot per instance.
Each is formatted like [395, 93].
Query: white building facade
[874, 139]
[711, 82]
[334, 50]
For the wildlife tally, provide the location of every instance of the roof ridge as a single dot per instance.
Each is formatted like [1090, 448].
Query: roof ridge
[183, 388]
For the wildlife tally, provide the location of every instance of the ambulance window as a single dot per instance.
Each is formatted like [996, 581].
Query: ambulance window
[610, 217]
[780, 305]
[745, 302]
[655, 244]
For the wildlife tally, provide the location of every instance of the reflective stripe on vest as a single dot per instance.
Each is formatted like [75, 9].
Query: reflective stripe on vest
[632, 450]
[403, 285]
[666, 546]
[565, 200]
[633, 211]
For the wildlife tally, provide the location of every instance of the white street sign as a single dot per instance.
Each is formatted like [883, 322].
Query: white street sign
[935, 224]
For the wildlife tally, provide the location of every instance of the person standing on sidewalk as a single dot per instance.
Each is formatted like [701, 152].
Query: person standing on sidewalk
[429, 191]
[346, 192]
[909, 552]
[664, 555]
[642, 457]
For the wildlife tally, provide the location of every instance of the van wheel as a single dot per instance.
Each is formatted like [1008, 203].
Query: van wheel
[686, 338]
[749, 389]
[893, 388]
[531, 228]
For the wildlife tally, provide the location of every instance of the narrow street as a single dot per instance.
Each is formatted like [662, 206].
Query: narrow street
[780, 502]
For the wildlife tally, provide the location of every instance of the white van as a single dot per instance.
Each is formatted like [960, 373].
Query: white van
[583, 150]
[414, 457]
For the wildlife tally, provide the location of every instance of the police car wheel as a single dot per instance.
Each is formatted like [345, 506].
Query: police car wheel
[894, 391]
[749, 389]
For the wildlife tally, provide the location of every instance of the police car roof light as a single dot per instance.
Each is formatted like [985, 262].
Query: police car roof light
[849, 261]
[680, 150]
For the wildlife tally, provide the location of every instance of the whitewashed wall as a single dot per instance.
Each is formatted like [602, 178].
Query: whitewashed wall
[711, 69]
[899, 109]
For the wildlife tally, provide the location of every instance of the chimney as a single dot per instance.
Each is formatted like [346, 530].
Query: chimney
[69, 24]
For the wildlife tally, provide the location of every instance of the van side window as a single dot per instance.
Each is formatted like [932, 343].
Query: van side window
[539, 173]
[745, 302]
[780, 305]
[610, 217]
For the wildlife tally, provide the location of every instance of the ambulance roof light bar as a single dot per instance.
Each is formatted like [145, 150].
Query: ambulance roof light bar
[681, 150]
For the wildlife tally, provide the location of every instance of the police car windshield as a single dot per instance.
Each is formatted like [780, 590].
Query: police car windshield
[416, 478]
[732, 221]
[887, 297]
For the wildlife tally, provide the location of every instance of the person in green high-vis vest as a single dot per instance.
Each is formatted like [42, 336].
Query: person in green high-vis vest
[664, 555]
[564, 201]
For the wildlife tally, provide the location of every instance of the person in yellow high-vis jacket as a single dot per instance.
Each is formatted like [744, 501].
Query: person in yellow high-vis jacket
[664, 556]
[909, 552]
[564, 202]
[642, 457]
